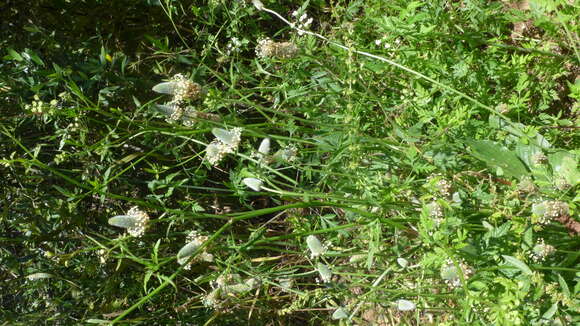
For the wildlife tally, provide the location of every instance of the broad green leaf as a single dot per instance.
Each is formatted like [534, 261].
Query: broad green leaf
[165, 88]
[518, 264]
[550, 312]
[565, 165]
[526, 153]
[123, 221]
[564, 286]
[15, 55]
[498, 157]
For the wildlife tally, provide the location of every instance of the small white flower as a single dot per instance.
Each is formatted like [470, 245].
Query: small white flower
[226, 142]
[542, 250]
[253, 183]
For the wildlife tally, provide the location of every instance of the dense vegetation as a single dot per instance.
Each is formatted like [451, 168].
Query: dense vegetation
[367, 162]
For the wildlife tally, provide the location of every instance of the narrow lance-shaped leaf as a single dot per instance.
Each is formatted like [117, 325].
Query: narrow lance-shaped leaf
[518, 264]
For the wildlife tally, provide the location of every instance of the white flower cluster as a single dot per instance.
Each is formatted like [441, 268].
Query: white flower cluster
[303, 22]
[141, 219]
[233, 46]
[450, 274]
[226, 142]
[184, 89]
[539, 158]
[436, 212]
[542, 250]
[444, 187]
[39, 107]
[267, 48]
[547, 210]
[379, 42]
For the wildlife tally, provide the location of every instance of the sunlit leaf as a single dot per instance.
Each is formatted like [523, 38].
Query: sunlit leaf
[565, 165]
[498, 157]
[518, 264]
[325, 272]
[39, 276]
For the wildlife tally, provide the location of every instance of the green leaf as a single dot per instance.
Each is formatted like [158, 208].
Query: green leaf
[565, 165]
[15, 55]
[550, 312]
[498, 157]
[564, 286]
[518, 264]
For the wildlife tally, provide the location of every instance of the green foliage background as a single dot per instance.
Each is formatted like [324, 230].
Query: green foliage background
[389, 165]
